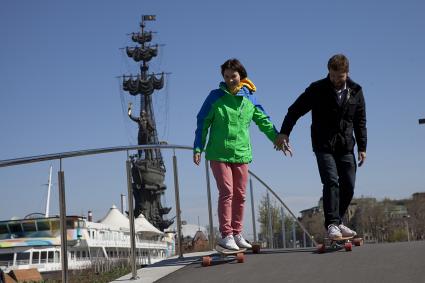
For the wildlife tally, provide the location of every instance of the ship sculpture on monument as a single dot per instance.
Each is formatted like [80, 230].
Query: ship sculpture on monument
[147, 166]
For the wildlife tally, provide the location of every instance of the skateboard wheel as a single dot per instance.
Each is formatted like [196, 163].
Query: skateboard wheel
[240, 257]
[358, 242]
[348, 247]
[206, 261]
[321, 248]
[256, 248]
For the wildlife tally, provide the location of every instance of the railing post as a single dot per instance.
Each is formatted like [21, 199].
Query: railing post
[254, 230]
[178, 211]
[131, 221]
[282, 212]
[210, 218]
[270, 228]
[62, 213]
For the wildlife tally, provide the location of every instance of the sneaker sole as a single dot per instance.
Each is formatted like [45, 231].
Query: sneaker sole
[245, 247]
[226, 248]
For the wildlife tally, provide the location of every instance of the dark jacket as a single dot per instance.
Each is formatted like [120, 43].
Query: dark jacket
[332, 125]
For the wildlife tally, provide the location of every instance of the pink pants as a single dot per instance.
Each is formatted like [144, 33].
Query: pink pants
[231, 179]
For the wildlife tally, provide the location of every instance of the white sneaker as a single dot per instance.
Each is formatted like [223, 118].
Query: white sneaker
[241, 242]
[228, 242]
[346, 232]
[334, 232]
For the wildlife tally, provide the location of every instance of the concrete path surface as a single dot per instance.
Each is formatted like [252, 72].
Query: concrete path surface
[393, 262]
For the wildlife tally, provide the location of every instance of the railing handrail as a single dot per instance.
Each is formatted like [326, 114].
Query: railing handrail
[68, 154]
[77, 153]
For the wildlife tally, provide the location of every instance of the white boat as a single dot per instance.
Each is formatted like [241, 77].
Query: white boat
[35, 242]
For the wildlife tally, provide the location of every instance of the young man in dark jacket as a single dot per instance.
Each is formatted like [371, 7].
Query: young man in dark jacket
[338, 109]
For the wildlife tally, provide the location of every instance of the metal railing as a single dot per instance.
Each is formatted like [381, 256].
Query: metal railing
[127, 149]
[283, 204]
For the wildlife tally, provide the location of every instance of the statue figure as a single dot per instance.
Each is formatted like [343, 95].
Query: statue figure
[146, 130]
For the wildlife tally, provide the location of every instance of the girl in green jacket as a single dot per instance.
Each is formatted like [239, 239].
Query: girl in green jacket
[226, 114]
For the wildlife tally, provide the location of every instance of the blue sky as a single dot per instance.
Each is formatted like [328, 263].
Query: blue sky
[59, 91]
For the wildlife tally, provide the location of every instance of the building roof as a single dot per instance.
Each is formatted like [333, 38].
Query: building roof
[200, 236]
[189, 230]
[143, 225]
[115, 218]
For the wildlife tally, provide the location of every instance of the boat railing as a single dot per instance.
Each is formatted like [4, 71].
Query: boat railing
[267, 239]
[9, 263]
[22, 262]
[6, 263]
[125, 244]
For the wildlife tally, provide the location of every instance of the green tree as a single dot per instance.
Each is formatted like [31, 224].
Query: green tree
[397, 235]
[276, 222]
[416, 210]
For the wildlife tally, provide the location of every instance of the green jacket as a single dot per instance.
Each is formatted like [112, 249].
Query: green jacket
[228, 118]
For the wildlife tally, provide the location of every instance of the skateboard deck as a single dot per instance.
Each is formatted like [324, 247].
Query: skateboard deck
[224, 255]
[339, 243]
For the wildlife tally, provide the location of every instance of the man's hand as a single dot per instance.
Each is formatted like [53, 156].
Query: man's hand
[282, 143]
[197, 158]
[361, 157]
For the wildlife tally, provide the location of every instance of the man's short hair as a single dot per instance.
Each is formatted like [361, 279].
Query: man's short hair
[339, 63]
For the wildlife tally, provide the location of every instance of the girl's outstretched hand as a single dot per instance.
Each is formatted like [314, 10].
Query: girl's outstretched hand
[197, 158]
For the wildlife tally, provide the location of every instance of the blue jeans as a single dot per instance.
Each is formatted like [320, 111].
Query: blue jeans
[338, 175]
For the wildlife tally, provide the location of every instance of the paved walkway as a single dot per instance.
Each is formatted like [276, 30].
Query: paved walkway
[396, 262]
[156, 271]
